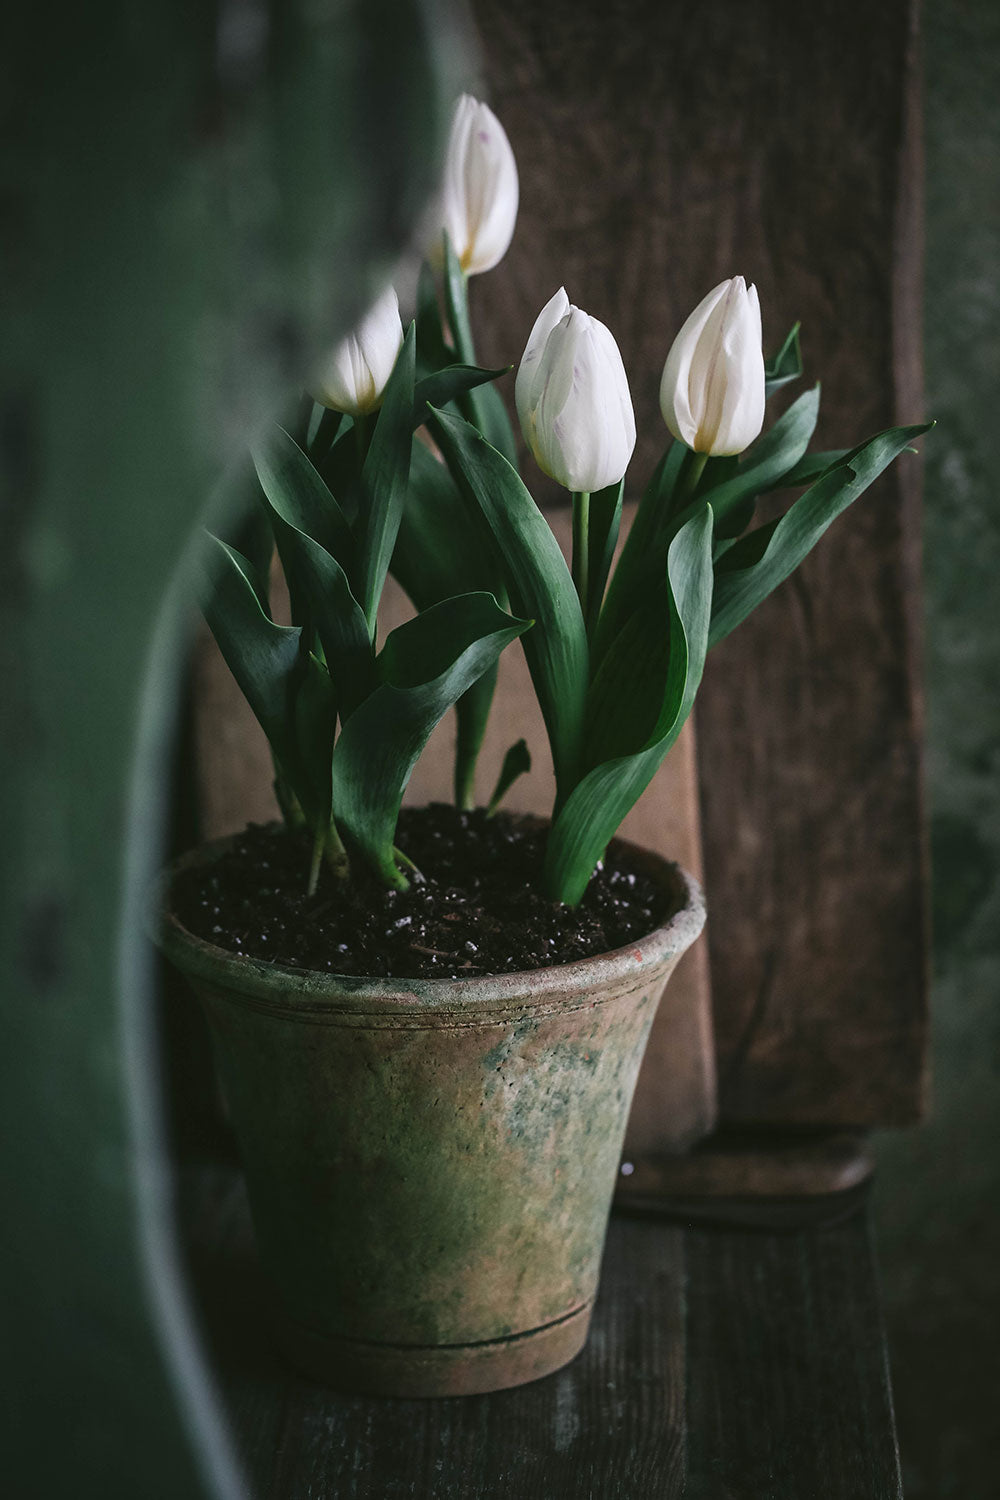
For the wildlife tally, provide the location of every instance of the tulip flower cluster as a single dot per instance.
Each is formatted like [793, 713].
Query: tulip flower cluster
[615, 653]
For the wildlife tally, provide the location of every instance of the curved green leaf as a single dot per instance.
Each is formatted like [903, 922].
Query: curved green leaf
[290, 695]
[604, 524]
[625, 693]
[298, 494]
[341, 474]
[333, 613]
[786, 364]
[472, 714]
[484, 406]
[810, 467]
[440, 541]
[321, 432]
[644, 555]
[517, 762]
[596, 807]
[425, 666]
[771, 457]
[383, 480]
[441, 386]
[433, 352]
[261, 655]
[538, 583]
[755, 565]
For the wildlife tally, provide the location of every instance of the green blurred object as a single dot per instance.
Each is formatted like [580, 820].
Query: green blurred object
[939, 1186]
[197, 201]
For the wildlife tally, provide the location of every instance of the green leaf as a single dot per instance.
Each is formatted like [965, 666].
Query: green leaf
[597, 805]
[516, 763]
[333, 612]
[383, 480]
[442, 386]
[261, 655]
[810, 467]
[440, 541]
[317, 551]
[755, 565]
[484, 406]
[643, 558]
[786, 364]
[605, 519]
[623, 703]
[295, 490]
[456, 301]
[291, 697]
[322, 432]
[771, 457]
[340, 473]
[433, 352]
[425, 666]
[538, 584]
[239, 519]
[472, 714]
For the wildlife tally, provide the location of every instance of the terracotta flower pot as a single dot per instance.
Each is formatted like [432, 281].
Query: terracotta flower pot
[430, 1163]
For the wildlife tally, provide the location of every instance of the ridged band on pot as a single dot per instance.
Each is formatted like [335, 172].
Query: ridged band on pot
[430, 1162]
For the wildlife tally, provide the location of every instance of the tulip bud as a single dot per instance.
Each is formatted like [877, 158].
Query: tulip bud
[480, 187]
[573, 399]
[712, 390]
[355, 378]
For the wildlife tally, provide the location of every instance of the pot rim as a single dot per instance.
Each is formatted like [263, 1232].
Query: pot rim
[311, 993]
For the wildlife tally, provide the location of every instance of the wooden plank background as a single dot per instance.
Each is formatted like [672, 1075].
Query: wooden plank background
[663, 147]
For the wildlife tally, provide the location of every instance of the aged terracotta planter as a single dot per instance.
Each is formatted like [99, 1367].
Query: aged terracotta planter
[430, 1163]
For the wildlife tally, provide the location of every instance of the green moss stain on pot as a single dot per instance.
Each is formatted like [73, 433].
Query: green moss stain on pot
[431, 1168]
[402, 1180]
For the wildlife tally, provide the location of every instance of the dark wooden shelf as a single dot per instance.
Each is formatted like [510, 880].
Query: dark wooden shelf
[723, 1364]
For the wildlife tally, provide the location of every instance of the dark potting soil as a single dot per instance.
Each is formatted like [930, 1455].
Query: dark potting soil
[475, 908]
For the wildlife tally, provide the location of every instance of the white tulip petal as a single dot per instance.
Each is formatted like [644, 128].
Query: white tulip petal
[573, 399]
[675, 386]
[480, 193]
[742, 413]
[530, 379]
[712, 389]
[358, 370]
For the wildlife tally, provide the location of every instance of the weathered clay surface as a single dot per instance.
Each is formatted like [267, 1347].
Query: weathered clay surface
[431, 1163]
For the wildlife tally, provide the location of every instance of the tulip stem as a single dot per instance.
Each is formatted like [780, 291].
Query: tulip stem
[327, 841]
[581, 546]
[363, 428]
[689, 480]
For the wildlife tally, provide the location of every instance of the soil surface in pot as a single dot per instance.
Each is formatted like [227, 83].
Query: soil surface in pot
[475, 908]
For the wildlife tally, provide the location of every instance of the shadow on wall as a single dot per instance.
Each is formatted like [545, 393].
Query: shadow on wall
[938, 1187]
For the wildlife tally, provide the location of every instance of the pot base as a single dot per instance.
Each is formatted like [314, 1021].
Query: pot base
[445, 1370]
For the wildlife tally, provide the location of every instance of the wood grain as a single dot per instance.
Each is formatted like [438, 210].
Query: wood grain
[787, 1373]
[663, 147]
[722, 1365]
[610, 1425]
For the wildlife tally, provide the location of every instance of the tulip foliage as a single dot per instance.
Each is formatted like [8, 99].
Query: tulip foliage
[616, 696]
[616, 653]
[333, 502]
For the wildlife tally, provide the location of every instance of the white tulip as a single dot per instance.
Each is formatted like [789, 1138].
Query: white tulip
[573, 399]
[355, 377]
[712, 390]
[480, 187]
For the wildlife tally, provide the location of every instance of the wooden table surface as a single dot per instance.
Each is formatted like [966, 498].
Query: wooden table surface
[723, 1364]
